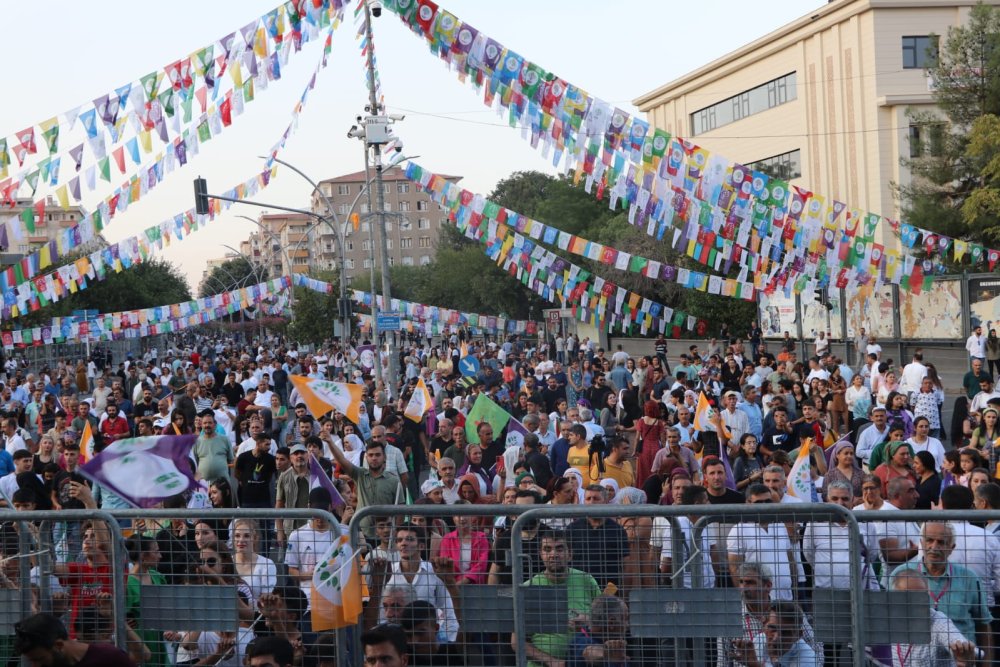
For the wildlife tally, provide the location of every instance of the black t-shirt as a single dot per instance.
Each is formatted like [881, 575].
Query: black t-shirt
[447, 655]
[141, 409]
[501, 556]
[730, 497]
[808, 430]
[439, 445]
[105, 655]
[255, 476]
[774, 440]
[599, 551]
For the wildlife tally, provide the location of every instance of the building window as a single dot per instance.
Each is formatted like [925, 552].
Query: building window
[365, 226]
[349, 263]
[392, 261]
[425, 242]
[927, 139]
[422, 206]
[423, 223]
[385, 188]
[366, 245]
[785, 166]
[444, 221]
[367, 263]
[407, 261]
[350, 245]
[402, 188]
[343, 189]
[344, 209]
[425, 260]
[919, 52]
[404, 206]
[406, 242]
[388, 244]
[364, 207]
[756, 100]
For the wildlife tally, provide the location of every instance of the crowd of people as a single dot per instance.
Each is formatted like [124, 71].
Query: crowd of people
[595, 427]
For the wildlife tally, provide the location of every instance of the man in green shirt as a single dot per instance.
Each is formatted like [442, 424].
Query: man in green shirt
[375, 486]
[972, 379]
[212, 451]
[581, 589]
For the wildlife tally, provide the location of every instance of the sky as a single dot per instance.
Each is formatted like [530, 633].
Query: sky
[73, 52]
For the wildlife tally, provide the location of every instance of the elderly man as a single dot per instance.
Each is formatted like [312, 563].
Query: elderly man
[736, 421]
[955, 590]
[763, 542]
[947, 646]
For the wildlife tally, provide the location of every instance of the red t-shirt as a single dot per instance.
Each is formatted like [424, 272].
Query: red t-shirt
[84, 583]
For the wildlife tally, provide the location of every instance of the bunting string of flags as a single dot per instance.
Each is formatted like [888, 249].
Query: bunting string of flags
[420, 315]
[24, 290]
[721, 213]
[139, 184]
[151, 107]
[591, 298]
[364, 45]
[484, 209]
[145, 321]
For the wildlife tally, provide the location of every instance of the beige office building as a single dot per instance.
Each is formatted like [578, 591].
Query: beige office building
[284, 243]
[412, 226]
[822, 100]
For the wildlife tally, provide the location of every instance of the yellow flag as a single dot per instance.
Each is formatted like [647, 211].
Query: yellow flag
[62, 194]
[420, 402]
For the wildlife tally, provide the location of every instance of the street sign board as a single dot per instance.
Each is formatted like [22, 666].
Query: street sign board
[468, 366]
[388, 322]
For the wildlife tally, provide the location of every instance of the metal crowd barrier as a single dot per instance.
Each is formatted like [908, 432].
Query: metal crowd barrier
[679, 585]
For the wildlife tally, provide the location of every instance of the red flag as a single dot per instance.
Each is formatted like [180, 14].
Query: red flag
[40, 210]
[119, 155]
[426, 10]
[226, 111]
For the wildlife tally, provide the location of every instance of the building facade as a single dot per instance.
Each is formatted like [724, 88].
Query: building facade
[283, 243]
[413, 223]
[47, 228]
[821, 101]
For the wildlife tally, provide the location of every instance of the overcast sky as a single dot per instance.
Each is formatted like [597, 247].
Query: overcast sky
[72, 52]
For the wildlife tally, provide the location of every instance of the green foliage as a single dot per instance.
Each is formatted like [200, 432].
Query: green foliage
[946, 169]
[153, 283]
[314, 313]
[232, 274]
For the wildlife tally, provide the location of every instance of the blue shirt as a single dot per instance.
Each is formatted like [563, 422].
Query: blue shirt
[6, 463]
[958, 594]
[754, 416]
[558, 453]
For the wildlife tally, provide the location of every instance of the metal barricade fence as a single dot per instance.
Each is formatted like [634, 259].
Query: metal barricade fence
[203, 583]
[34, 578]
[677, 585]
[598, 590]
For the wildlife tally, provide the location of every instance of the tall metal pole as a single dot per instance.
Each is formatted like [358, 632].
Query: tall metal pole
[371, 267]
[390, 384]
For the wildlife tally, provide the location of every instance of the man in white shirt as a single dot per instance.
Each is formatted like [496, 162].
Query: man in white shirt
[264, 394]
[898, 541]
[736, 421]
[13, 442]
[873, 434]
[826, 545]
[619, 357]
[764, 542]
[256, 427]
[411, 570]
[987, 392]
[308, 544]
[23, 460]
[976, 344]
[816, 371]
[913, 374]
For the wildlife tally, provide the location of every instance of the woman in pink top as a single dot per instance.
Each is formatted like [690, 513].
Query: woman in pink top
[468, 549]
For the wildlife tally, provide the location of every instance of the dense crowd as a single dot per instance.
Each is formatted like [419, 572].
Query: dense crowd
[595, 427]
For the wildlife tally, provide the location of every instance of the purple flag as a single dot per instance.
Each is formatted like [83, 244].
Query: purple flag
[144, 471]
[730, 477]
[515, 433]
[318, 477]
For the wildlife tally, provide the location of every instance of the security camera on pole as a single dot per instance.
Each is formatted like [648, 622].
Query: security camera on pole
[378, 133]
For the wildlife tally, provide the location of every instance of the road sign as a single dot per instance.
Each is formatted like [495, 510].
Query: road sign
[388, 322]
[468, 366]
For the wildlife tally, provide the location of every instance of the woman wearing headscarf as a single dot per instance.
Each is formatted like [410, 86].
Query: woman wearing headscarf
[899, 456]
[638, 529]
[842, 466]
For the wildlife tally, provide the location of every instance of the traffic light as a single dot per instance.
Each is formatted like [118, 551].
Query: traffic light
[201, 196]
[345, 307]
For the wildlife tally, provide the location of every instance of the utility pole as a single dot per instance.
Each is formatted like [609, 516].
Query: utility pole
[377, 131]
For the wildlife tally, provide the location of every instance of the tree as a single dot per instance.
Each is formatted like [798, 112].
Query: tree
[314, 313]
[232, 274]
[155, 282]
[945, 173]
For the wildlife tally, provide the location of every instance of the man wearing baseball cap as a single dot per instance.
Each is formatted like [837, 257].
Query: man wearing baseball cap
[872, 435]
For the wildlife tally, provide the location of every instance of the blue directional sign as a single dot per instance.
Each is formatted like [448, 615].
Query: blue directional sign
[468, 366]
[388, 322]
